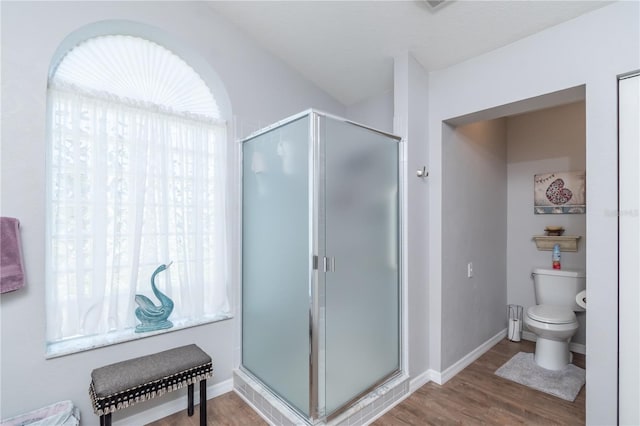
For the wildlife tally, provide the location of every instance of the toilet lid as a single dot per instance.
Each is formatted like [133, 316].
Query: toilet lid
[551, 314]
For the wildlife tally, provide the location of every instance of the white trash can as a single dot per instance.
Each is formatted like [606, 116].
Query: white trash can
[59, 414]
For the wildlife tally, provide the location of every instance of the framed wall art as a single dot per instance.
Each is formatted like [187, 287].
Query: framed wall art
[559, 193]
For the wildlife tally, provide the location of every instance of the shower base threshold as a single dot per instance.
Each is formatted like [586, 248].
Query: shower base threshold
[363, 412]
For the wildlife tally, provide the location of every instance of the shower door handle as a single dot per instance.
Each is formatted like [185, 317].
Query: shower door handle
[329, 264]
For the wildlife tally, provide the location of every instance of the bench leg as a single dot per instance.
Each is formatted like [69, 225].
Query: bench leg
[190, 400]
[105, 420]
[203, 402]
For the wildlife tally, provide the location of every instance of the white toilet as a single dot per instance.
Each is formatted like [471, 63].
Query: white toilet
[553, 319]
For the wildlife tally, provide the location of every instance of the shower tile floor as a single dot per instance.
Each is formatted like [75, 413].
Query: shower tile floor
[362, 412]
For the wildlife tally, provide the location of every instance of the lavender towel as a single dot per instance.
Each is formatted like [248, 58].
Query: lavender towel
[11, 269]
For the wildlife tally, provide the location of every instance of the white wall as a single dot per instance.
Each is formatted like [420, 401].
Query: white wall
[474, 217]
[590, 50]
[629, 250]
[376, 112]
[261, 89]
[545, 141]
[410, 122]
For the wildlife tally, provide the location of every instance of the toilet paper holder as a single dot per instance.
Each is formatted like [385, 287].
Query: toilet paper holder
[581, 299]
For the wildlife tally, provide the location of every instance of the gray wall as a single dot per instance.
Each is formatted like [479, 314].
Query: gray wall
[261, 88]
[474, 217]
[550, 140]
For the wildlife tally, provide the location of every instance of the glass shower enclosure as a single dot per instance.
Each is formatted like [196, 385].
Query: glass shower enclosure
[320, 261]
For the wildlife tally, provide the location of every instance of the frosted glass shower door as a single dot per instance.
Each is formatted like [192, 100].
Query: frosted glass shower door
[276, 260]
[361, 239]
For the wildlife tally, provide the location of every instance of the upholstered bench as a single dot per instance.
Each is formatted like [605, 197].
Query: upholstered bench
[126, 383]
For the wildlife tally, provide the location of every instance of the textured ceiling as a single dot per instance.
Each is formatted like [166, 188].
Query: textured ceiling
[347, 47]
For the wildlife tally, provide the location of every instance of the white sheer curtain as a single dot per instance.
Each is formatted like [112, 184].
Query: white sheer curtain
[132, 185]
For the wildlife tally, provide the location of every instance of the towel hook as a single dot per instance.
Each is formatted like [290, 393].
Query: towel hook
[422, 173]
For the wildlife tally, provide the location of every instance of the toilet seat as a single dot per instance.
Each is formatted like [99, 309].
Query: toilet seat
[551, 314]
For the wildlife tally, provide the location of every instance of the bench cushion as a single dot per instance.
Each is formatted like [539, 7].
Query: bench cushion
[124, 383]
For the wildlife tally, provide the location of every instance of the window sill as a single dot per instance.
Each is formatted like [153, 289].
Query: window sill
[81, 344]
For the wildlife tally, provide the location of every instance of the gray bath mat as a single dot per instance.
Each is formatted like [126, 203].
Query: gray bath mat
[565, 383]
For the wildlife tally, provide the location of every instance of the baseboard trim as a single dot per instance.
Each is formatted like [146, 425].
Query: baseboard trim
[417, 382]
[573, 347]
[443, 377]
[578, 348]
[174, 405]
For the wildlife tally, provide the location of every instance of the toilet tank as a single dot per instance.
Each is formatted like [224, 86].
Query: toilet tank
[558, 287]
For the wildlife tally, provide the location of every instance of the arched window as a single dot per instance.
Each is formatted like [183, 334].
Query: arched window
[136, 172]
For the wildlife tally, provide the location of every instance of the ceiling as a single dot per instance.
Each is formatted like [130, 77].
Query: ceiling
[347, 47]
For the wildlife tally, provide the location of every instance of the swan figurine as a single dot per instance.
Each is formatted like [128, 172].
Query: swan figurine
[154, 317]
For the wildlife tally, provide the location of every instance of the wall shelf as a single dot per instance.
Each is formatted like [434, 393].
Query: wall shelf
[567, 242]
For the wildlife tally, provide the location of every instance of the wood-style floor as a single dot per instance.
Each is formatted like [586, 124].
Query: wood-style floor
[477, 396]
[474, 396]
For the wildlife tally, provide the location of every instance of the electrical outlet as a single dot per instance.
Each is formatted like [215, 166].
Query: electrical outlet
[469, 269]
